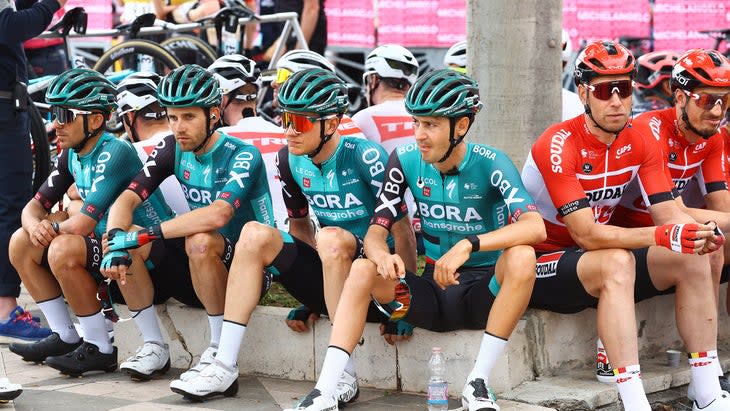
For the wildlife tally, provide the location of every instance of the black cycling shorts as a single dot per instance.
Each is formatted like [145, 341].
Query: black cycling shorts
[462, 306]
[558, 288]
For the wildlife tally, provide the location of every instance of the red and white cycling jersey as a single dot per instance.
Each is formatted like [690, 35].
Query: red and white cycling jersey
[682, 160]
[170, 187]
[269, 139]
[348, 127]
[568, 169]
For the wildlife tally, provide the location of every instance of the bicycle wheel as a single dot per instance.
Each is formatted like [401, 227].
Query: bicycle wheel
[39, 147]
[149, 56]
[190, 50]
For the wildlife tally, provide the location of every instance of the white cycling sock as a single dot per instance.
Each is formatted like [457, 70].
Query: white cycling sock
[146, 321]
[704, 377]
[350, 367]
[335, 362]
[216, 324]
[231, 337]
[631, 389]
[59, 320]
[491, 349]
[95, 332]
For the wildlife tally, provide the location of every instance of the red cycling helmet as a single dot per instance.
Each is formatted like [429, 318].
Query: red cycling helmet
[603, 58]
[654, 67]
[699, 67]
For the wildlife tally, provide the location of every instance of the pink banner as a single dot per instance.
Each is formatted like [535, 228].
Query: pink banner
[677, 23]
[588, 20]
[350, 23]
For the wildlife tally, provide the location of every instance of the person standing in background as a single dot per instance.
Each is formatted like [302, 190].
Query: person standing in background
[45, 56]
[15, 156]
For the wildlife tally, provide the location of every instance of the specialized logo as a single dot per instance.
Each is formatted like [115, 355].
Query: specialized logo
[547, 264]
[450, 189]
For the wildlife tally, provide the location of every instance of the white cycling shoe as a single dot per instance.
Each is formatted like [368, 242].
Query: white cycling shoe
[8, 390]
[149, 359]
[347, 388]
[477, 397]
[315, 401]
[206, 358]
[721, 403]
[215, 379]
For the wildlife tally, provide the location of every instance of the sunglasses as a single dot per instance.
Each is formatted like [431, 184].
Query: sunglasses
[398, 308]
[282, 74]
[63, 115]
[300, 122]
[709, 101]
[604, 91]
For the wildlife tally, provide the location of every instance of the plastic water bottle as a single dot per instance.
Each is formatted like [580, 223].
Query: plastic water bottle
[438, 388]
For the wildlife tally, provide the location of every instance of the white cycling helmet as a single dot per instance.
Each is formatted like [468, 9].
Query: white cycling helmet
[456, 56]
[298, 60]
[137, 91]
[234, 71]
[391, 61]
[567, 47]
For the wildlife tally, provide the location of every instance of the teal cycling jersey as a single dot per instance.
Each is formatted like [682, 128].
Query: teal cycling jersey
[483, 194]
[100, 176]
[231, 171]
[341, 191]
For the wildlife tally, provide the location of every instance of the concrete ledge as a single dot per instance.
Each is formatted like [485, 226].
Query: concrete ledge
[549, 360]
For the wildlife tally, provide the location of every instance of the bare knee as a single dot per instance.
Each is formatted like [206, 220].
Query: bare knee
[362, 275]
[199, 246]
[255, 238]
[19, 243]
[517, 264]
[618, 271]
[66, 252]
[335, 243]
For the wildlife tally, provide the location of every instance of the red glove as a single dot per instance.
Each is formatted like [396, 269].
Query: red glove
[679, 238]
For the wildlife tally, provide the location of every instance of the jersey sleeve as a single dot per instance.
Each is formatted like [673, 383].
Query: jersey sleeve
[57, 183]
[371, 160]
[295, 201]
[654, 177]
[510, 184]
[243, 172]
[556, 161]
[390, 205]
[159, 165]
[712, 173]
[115, 166]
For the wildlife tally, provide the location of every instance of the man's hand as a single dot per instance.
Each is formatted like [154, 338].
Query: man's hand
[62, 3]
[715, 242]
[118, 239]
[391, 267]
[114, 265]
[43, 233]
[444, 272]
[683, 238]
[300, 318]
[395, 331]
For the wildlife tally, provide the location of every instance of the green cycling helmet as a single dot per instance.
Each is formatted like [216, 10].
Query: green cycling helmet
[444, 93]
[189, 86]
[83, 89]
[314, 90]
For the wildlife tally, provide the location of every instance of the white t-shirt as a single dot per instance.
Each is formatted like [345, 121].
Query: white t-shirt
[572, 106]
[170, 187]
[269, 139]
[389, 125]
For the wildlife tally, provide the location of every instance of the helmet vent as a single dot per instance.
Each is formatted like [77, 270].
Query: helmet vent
[597, 63]
[703, 73]
[610, 48]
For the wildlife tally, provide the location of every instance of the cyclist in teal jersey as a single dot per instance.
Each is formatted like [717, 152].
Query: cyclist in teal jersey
[291, 258]
[222, 178]
[478, 224]
[65, 256]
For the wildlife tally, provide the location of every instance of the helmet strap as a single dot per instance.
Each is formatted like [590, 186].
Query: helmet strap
[323, 139]
[130, 124]
[371, 90]
[453, 141]
[87, 134]
[208, 131]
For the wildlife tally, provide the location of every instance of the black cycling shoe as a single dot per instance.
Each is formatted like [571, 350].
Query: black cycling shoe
[47, 347]
[84, 358]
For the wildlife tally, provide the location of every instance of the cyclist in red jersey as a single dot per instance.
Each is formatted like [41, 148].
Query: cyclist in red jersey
[577, 172]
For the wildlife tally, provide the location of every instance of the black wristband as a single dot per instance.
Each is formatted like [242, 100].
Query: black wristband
[475, 243]
[155, 232]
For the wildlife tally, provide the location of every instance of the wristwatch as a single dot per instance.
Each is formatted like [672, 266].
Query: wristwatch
[475, 243]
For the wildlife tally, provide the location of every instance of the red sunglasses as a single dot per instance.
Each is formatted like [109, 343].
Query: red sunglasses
[708, 101]
[300, 122]
[604, 91]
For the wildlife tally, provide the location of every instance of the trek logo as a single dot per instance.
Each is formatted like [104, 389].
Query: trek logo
[623, 150]
[607, 193]
[557, 141]
[334, 201]
[448, 212]
[265, 142]
[509, 193]
[391, 127]
[547, 264]
[348, 127]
